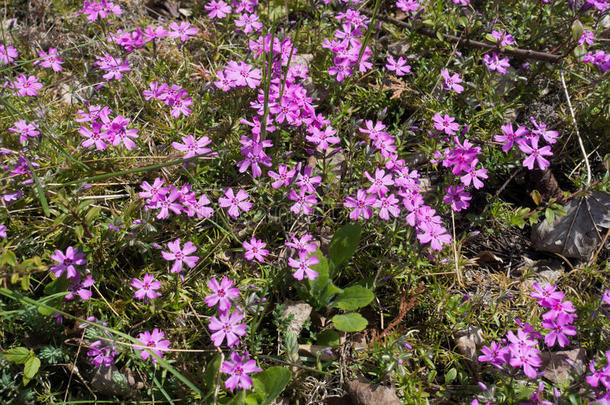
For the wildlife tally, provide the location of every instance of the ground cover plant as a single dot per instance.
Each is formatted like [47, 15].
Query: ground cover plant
[305, 202]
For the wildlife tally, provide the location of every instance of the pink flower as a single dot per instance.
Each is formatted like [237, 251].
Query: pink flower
[302, 244]
[50, 59]
[24, 130]
[152, 342]
[452, 82]
[503, 38]
[374, 131]
[408, 5]
[235, 203]
[445, 123]
[494, 62]
[360, 205]
[146, 288]
[535, 154]
[222, 295]
[227, 326]
[7, 54]
[433, 233]
[495, 354]
[457, 198]
[381, 181]
[323, 138]
[473, 175]
[80, 288]
[387, 205]
[249, 23]
[183, 31]
[282, 177]
[399, 66]
[239, 367]
[193, 146]
[606, 297]
[155, 192]
[303, 202]
[255, 250]
[540, 129]
[199, 207]
[587, 37]
[217, 9]
[67, 261]
[510, 137]
[26, 86]
[180, 255]
[560, 329]
[303, 266]
[94, 136]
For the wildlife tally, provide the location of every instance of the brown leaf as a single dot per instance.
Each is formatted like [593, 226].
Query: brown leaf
[364, 393]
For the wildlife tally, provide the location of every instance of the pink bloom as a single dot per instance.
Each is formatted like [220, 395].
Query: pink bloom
[445, 123]
[510, 136]
[249, 23]
[153, 193]
[193, 146]
[435, 234]
[282, 177]
[146, 288]
[303, 244]
[341, 70]
[303, 266]
[360, 205]
[535, 154]
[457, 198]
[26, 86]
[227, 326]
[217, 9]
[540, 129]
[303, 202]
[560, 329]
[102, 352]
[587, 37]
[374, 131]
[474, 175]
[494, 62]
[452, 82]
[381, 181]
[235, 203]
[408, 5]
[606, 297]
[24, 130]
[67, 261]
[183, 31]
[387, 205]
[239, 367]
[180, 255]
[50, 59]
[200, 207]
[7, 54]
[323, 138]
[495, 354]
[94, 136]
[152, 342]
[222, 295]
[255, 250]
[547, 296]
[80, 288]
[503, 38]
[399, 66]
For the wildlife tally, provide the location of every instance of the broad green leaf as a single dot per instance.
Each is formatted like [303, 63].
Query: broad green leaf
[211, 372]
[328, 337]
[577, 30]
[450, 376]
[30, 369]
[274, 380]
[352, 322]
[344, 243]
[10, 258]
[353, 297]
[322, 288]
[17, 355]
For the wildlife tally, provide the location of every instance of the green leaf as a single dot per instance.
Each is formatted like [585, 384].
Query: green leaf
[322, 288]
[537, 197]
[10, 258]
[450, 376]
[30, 369]
[328, 337]
[344, 243]
[274, 380]
[210, 374]
[577, 30]
[17, 355]
[56, 286]
[490, 38]
[354, 297]
[579, 51]
[352, 322]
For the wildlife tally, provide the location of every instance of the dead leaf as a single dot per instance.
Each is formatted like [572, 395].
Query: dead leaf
[578, 233]
[364, 393]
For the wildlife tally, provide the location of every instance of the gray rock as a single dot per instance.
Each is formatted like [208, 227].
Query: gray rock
[468, 341]
[301, 311]
[558, 366]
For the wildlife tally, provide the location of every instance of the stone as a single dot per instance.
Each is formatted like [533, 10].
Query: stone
[468, 341]
[364, 393]
[557, 366]
[301, 311]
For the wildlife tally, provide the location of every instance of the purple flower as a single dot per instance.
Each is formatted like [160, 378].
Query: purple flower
[24, 130]
[234, 202]
[282, 177]
[227, 326]
[433, 233]
[399, 66]
[152, 342]
[495, 354]
[457, 198]
[445, 123]
[183, 31]
[535, 154]
[452, 82]
[8, 54]
[146, 288]
[360, 205]
[193, 146]
[239, 367]
[303, 202]
[2, 231]
[180, 255]
[303, 244]
[26, 86]
[547, 296]
[474, 175]
[540, 129]
[387, 205]
[50, 59]
[380, 182]
[503, 38]
[222, 295]
[587, 37]
[67, 262]
[494, 62]
[606, 297]
[255, 250]
[249, 23]
[217, 9]
[510, 136]
[303, 266]
[102, 353]
[80, 288]
[560, 329]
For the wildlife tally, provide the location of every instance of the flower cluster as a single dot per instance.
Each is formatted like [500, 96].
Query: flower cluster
[166, 199]
[173, 96]
[528, 141]
[495, 62]
[67, 263]
[114, 67]
[101, 352]
[228, 326]
[599, 58]
[238, 74]
[104, 130]
[95, 9]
